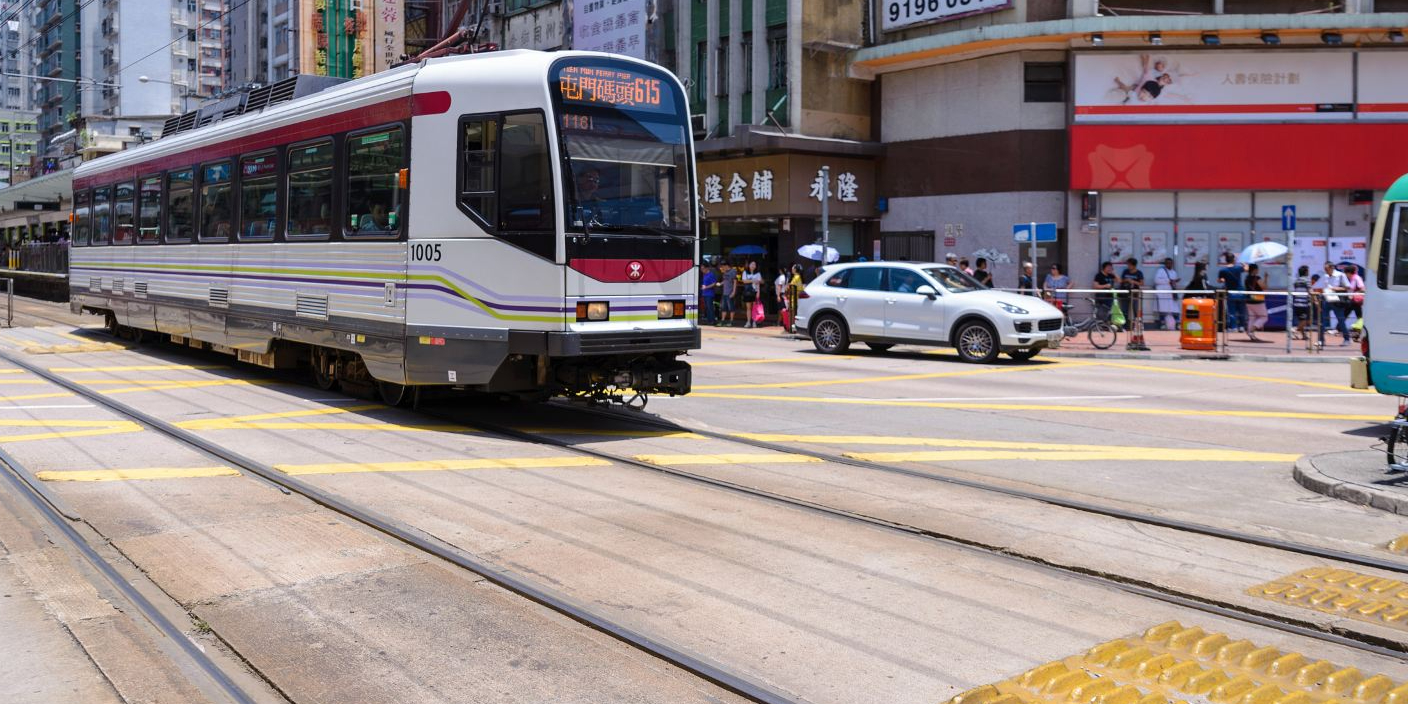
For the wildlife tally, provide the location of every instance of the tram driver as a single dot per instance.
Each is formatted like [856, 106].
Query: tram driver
[591, 207]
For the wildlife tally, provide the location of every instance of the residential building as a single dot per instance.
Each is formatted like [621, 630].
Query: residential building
[19, 139]
[262, 41]
[1143, 128]
[16, 33]
[55, 26]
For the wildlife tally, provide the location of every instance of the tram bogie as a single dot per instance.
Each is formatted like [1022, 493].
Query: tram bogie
[518, 223]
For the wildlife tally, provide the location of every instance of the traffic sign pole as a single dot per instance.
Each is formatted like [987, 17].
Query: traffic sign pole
[1291, 286]
[1033, 253]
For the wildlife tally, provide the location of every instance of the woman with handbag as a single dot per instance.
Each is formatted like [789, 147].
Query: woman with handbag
[752, 294]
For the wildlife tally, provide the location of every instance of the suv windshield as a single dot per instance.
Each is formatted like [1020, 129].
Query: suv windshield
[624, 134]
[954, 279]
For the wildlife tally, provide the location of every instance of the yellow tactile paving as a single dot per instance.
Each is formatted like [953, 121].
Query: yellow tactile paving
[110, 475]
[727, 458]
[444, 465]
[1399, 545]
[1174, 663]
[1362, 597]
[72, 348]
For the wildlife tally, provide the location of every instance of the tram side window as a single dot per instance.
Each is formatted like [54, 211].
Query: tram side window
[310, 190]
[374, 195]
[216, 202]
[479, 142]
[82, 218]
[259, 193]
[180, 205]
[1400, 246]
[102, 215]
[124, 213]
[149, 210]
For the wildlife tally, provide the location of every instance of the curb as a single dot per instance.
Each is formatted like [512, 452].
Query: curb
[1174, 356]
[1309, 476]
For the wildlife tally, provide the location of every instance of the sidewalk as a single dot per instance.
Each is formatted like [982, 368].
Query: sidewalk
[1357, 476]
[1163, 345]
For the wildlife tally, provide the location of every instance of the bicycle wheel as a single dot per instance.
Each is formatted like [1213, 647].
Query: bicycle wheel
[1102, 335]
[1397, 440]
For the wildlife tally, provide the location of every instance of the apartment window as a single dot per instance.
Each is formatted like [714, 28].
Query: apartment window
[190, 64]
[701, 72]
[747, 49]
[721, 70]
[777, 61]
[1045, 83]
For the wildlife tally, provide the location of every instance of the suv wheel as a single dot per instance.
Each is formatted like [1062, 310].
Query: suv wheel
[976, 342]
[829, 335]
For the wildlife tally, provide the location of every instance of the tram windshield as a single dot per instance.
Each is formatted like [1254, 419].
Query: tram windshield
[624, 132]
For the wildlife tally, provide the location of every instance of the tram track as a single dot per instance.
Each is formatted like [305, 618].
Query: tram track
[654, 422]
[136, 604]
[694, 664]
[700, 666]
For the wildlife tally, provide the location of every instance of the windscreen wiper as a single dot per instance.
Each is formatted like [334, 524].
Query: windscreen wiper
[662, 232]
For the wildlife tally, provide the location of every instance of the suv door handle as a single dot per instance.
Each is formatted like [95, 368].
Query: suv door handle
[890, 300]
[840, 299]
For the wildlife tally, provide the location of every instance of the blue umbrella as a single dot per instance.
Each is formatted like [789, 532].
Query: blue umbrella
[748, 249]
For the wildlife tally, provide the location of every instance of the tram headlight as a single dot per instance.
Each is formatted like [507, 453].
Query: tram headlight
[594, 310]
[668, 310]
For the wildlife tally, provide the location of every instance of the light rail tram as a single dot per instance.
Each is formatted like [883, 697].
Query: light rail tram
[515, 222]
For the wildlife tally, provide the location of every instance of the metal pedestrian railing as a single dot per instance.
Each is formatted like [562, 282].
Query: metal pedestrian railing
[42, 257]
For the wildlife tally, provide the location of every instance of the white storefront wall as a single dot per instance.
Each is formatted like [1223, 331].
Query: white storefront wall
[979, 223]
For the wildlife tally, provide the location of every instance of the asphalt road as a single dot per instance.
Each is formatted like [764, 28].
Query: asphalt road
[826, 609]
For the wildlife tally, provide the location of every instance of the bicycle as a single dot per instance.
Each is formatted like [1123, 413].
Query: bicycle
[1101, 333]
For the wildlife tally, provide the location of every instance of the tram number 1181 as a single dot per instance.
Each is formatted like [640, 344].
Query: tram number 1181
[425, 252]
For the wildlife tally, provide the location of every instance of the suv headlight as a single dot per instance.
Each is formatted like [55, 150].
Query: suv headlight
[1014, 310]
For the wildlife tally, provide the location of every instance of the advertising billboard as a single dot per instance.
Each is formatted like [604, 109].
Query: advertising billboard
[1214, 86]
[1383, 94]
[899, 14]
[612, 26]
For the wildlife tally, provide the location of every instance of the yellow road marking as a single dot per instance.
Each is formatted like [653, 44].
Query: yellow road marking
[1035, 407]
[443, 465]
[70, 336]
[1157, 454]
[615, 433]
[108, 475]
[110, 427]
[77, 423]
[300, 413]
[12, 371]
[74, 348]
[1243, 377]
[872, 379]
[768, 360]
[27, 397]
[951, 442]
[221, 424]
[130, 368]
[728, 458]
[168, 385]
[23, 382]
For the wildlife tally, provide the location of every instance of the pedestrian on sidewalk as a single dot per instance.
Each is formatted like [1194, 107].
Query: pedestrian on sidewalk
[1354, 302]
[1104, 281]
[963, 264]
[784, 311]
[752, 293]
[1167, 279]
[981, 274]
[708, 287]
[1256, 306]
[1199, 282]
[1026, 283]
[1229, 278]
[1132, 282]
[1054, 287]
[728, 294]
[1300, 302]
[1332, 287]
[951, 259]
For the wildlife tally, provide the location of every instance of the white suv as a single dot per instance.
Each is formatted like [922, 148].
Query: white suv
[887, 303]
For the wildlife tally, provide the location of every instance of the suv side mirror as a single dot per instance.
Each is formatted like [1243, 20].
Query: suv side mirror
[926, 290]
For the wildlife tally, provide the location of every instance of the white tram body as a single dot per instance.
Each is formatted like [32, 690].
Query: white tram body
[514, 222]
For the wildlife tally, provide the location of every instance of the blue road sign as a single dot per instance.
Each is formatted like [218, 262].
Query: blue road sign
[1045, 232]
[1288, 218]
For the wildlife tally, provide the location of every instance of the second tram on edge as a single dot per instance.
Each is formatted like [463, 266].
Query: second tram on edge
[515, 222]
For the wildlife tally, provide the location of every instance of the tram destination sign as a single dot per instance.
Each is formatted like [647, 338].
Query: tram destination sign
[901, 14]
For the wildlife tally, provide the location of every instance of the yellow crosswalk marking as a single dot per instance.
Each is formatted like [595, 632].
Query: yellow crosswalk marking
[109, 475]
[444, 465]
[93, 427]
[727, 458]
[1224, 375]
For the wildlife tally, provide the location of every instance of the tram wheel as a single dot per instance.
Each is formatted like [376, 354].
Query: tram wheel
[323, 377]
[392, 393]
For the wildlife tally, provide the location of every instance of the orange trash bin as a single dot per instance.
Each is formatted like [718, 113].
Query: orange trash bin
[1198, 329]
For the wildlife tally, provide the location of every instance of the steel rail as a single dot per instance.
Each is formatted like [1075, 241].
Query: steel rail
[18, 477]
[697, 665]
[1365, 642]
[1074, 504]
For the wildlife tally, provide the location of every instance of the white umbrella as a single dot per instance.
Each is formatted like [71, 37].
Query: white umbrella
[1262, 252]
[813, 251]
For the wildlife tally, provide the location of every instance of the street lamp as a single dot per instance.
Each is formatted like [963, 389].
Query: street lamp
[185, 92]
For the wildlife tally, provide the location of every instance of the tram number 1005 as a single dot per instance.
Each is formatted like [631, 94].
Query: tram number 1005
[425, 252]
